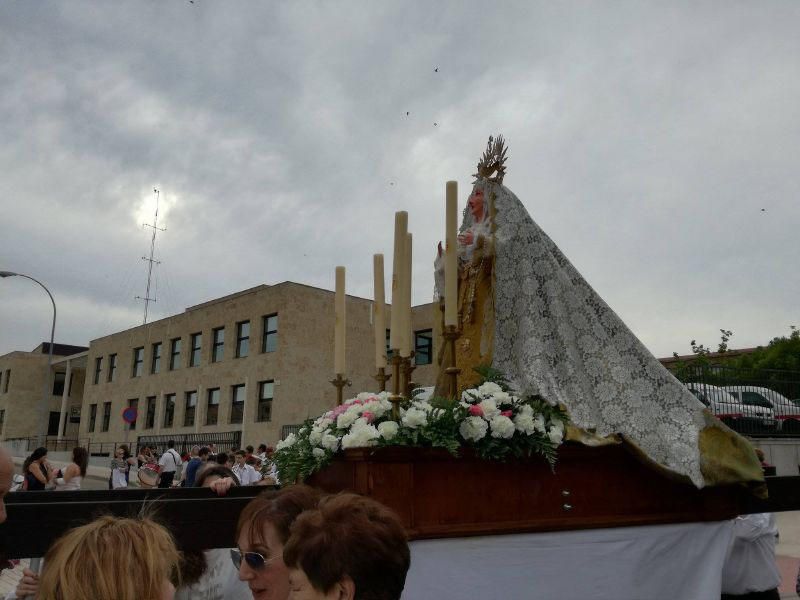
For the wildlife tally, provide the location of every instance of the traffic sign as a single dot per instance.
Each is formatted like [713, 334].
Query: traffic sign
[129, 415]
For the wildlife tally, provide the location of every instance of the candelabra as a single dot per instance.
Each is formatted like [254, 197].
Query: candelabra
[339, 383]
[451, 334]
[397, 396]
[381, 377]
[408, 368]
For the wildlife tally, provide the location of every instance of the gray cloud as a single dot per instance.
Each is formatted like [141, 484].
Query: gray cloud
[645, 138]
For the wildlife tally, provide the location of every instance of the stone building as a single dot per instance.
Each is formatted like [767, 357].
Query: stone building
[22, 376]
[257, 362]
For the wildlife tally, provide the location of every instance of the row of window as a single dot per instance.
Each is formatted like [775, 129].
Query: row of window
[423, 346]
[266, 390]
[5, 379]
[269, 343]
[2, 420]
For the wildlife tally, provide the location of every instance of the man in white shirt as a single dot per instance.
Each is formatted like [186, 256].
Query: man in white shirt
[169, 462]
[246, 474]
[750, 569]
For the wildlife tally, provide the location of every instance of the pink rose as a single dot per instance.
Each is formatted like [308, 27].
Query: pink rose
[506, 413]
[368, 416]
[475, 411]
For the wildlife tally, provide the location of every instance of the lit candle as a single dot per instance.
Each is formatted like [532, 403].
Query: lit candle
[339, 331]
[378, 312]
[400, 231]
[405, 341]
[451, 255]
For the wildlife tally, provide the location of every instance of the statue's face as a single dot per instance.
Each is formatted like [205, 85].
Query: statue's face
[476, 203]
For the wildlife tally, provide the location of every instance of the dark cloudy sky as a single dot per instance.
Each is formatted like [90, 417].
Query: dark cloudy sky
[645, 138]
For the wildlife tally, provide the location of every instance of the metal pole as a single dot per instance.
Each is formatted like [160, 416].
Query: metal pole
[45, 403]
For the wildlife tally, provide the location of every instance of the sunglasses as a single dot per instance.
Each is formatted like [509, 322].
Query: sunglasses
[254, 560]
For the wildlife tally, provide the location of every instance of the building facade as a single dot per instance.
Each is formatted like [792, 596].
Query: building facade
[256, 362]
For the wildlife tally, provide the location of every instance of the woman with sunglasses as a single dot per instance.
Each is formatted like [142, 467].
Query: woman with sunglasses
[261, 533]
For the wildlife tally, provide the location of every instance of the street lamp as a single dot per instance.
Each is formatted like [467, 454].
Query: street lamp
[45, 403]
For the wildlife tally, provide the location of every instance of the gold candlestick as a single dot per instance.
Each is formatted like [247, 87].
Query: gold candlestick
[408, 368]
[381, 377]
[340, 382]
[396, 397]
[451, 334]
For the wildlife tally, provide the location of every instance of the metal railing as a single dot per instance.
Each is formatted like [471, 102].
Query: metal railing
[754, 402]
[53, 444]
[223, 442]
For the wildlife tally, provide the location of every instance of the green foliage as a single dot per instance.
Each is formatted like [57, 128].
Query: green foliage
[489, 373]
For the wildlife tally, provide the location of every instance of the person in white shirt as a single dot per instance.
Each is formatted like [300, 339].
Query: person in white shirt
[246, 473]
[750, 569]
[169, 462]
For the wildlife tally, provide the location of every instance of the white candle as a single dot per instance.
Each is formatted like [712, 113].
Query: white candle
[405, 341]
[400, 231]
[378, 312]
[451, 255]
[339, 330]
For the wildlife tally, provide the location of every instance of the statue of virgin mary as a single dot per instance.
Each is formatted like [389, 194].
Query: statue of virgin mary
[525, 310]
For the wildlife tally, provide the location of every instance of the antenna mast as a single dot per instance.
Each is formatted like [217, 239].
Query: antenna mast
[151, 261]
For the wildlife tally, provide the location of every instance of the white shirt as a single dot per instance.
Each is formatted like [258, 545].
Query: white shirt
[247, 474]
[170, 465]
[750, 564]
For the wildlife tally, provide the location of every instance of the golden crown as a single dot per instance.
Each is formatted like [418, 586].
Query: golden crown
[492, 165]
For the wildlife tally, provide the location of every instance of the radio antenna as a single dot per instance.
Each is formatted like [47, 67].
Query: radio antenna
[151, 261]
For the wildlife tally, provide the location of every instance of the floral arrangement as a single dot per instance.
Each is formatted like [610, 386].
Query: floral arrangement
[490, 419]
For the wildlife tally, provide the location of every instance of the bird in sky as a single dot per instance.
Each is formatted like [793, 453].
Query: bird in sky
[408, 113]
[435, 124]
[436, 70]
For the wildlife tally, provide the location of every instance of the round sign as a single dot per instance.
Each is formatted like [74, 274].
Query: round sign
[129, 415]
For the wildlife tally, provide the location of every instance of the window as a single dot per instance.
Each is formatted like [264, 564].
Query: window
[217, 344]
[155, 364]
[6, 381]
[389, 353]
[197, 343]
[92, 417]
[106, 415]
[266, 389]
[98, 366]
[212, 407]
[242, 339]
[112, 366]
[269, 340]
[134, 403]
[191, 406]
[423, 347]
[169, 410]
[150, 419]
[58, 383]
[138, 360]
[1, 379]
[175, 354]
[756, 399]
[2, 420]
[237, 403]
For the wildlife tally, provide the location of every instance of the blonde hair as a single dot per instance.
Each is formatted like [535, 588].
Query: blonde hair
[111, 558]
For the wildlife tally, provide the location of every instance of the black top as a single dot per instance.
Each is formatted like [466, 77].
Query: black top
[33, 483]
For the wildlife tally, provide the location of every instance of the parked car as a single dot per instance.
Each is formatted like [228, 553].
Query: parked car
[741, 417]
[787, 412]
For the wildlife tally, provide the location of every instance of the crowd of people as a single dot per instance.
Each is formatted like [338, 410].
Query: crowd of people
[293, 543]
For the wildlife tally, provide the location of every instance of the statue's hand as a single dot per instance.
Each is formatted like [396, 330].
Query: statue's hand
[466, 238]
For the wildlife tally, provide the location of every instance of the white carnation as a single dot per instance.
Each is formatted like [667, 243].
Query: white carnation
[376, 408]
[538, 423]
[318, 452]
[524, 423]
[555, 435]
[473, 428]
[362, 434]
[315, 437]
[490, 410]
[502, 397]
[330, 442]
[490, 388]
[287, 442]
[348, 417]
[415, 417]
[502, 427]
[388, 429]
[365, 396]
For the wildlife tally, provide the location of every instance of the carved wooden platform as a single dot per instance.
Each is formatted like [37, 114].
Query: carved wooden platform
[438, 495]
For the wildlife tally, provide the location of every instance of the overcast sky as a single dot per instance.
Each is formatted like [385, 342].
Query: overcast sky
[656, 143]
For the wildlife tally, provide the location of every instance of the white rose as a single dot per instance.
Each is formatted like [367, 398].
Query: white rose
[330, 442]
[388, 429]
[490, 410]
[318, 452]
[473, 428]
[415, 417]
[489, 388]
[502, 427]
[524, 423]
[286, 443]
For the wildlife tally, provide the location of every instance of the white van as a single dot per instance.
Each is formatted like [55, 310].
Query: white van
[742, 417]
[787, 412]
